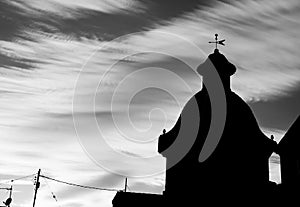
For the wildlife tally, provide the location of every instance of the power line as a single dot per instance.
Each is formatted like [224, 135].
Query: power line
[129, 188]
[81, 186]
[52, 193]
[20, 178]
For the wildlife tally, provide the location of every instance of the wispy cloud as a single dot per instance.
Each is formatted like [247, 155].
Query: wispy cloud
[262, 45]
[46, 43]
[71, 8]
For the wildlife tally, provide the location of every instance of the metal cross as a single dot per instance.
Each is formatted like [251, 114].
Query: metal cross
[220, 42]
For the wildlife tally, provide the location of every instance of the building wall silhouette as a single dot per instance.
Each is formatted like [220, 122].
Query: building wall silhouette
[238, 169]
[289, 152]
[239, 166]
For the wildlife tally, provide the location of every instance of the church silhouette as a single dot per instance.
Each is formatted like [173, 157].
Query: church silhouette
[237, 171]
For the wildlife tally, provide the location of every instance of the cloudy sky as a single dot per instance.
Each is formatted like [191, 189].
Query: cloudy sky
[83, 90]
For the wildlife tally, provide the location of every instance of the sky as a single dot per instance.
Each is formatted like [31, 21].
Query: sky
[88, 85]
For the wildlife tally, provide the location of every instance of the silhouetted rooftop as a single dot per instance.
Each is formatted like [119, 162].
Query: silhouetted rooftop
[222, 65]
[137, 199]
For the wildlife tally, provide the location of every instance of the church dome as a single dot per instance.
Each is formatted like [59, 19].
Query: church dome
[221, 64]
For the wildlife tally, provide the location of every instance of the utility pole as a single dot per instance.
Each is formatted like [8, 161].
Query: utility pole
[126, 185]
[37, 185]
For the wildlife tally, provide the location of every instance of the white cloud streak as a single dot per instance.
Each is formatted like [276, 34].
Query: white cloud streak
[36, 105]
[71, 8]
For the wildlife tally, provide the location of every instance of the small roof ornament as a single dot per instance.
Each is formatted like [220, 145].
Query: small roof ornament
[220, 62]
[220, 42]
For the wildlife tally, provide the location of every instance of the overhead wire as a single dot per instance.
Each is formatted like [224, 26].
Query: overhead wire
[78, 185]
[52, 193]
[45, 178]
[15, 179]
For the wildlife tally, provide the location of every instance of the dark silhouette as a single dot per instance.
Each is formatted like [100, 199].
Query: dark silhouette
[137, 200]
[288, 149]
[8, 201]
[237, 172]
[238, 168]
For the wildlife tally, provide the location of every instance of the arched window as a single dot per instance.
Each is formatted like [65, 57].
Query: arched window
[274, 168]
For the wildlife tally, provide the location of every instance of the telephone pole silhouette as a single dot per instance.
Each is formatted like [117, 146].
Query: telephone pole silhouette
[37, 185]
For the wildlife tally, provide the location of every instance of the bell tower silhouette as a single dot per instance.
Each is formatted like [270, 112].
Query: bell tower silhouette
[236, 171]
[241, 158]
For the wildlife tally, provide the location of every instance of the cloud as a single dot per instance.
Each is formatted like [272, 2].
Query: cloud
[37, 120]
[279, 112]
[106, 181]
[261, 44]
[71, 7]
[17, 182]
[146, 188]
[46, 43]
[92, 18]
[75, 19]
